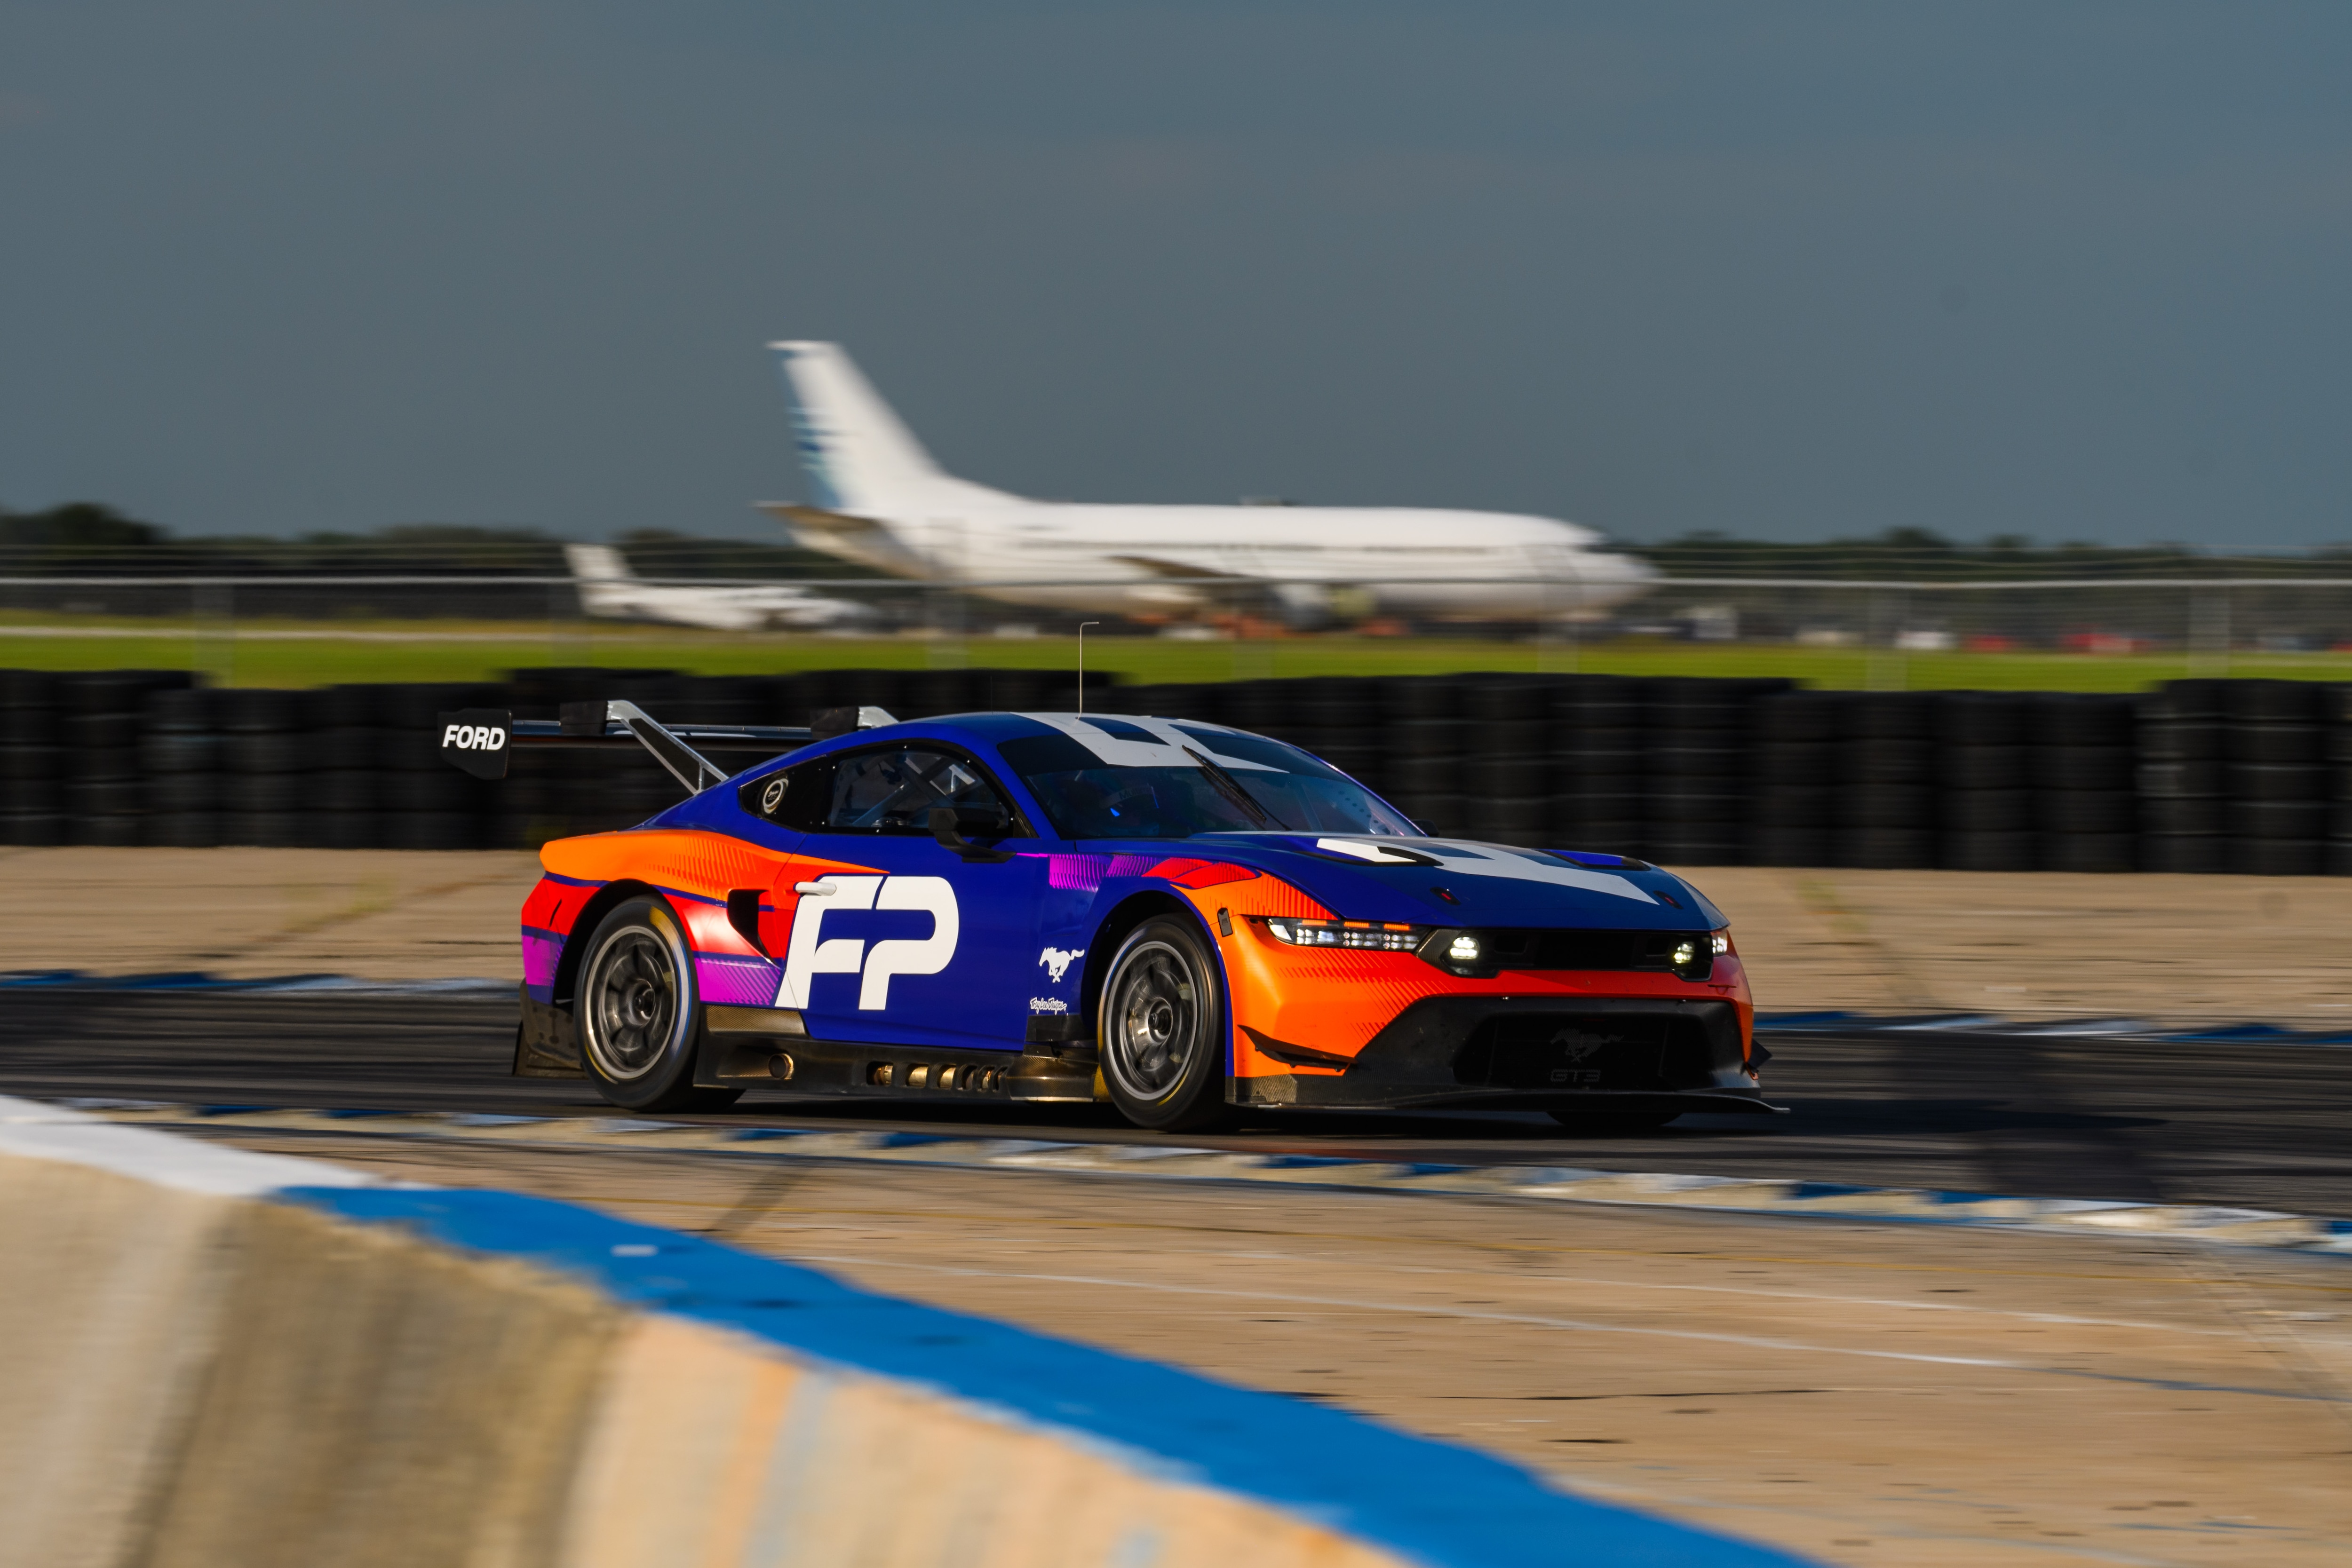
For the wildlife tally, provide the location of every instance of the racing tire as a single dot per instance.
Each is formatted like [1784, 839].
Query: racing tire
[1161, 1039]
[637, 1010]
[1621, 1124]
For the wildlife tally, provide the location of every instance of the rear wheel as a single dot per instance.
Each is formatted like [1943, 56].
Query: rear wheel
[1163, 1029]
[1621, 1125]
[637, 1012]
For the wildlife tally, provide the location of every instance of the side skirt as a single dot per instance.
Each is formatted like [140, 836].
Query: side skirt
[743, 1046]
[1332, 1091]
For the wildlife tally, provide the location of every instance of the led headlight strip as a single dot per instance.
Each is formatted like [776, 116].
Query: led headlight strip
[1360, 933]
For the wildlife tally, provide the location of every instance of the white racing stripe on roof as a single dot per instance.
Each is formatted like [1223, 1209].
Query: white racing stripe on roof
[37, 1132]
[1165, 749]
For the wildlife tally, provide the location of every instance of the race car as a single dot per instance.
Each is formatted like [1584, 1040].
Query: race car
[1181, 918]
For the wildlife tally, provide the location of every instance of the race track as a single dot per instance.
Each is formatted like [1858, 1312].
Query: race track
[2243, 1124]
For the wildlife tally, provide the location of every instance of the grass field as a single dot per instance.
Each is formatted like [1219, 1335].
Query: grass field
[296, 655]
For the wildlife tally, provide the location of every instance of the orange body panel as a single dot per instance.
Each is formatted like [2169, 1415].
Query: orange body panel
[704, 867]
[1335, 999]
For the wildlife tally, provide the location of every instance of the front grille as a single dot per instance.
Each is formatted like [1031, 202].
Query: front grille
[1568, 1051]
[1542, 949]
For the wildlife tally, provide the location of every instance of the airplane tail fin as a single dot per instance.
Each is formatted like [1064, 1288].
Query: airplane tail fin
[598, 564]
[858, 456]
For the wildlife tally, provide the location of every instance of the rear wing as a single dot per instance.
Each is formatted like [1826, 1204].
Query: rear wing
[481, 740]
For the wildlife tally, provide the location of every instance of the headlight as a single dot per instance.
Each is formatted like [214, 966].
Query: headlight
[1684, 955]
[1722, 942]
[1357, 933]
[1473, 954]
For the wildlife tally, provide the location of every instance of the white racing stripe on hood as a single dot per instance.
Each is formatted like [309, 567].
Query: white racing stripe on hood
[1495, 861]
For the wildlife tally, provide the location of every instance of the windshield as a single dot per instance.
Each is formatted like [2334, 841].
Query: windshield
[1180, 789]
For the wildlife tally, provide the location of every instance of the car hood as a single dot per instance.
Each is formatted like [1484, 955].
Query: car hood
[1361, 877]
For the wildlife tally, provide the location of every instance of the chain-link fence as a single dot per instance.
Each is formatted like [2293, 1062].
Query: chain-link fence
[2204, 622]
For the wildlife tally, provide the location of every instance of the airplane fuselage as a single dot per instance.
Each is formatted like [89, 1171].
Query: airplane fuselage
[1175, 560]
[883, 502]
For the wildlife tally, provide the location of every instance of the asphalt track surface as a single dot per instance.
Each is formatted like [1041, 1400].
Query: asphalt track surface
[2257, 1125]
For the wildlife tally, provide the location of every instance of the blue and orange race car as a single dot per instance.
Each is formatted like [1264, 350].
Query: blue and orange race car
[1181, 918]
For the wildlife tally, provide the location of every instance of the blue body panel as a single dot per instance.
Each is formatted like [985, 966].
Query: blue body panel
[1025, 925]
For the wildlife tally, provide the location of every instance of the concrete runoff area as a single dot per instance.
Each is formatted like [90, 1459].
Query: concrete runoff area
[230, 1357]
[1865, 1393]
[2039, 944]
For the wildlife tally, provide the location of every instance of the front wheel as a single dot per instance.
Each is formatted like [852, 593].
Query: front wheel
[1162, 1035]
[637, 1012]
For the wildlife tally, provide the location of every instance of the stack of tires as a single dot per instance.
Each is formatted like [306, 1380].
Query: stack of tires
[100, 718]
[1035, 691]
[1261, 707]
[1799, 765]
[1601, 799]
[1700, 768]
[1508, 774]
[346, 740]
[2085, 760]
[1986, 804]
[31, 762]
[2337, 710]
[2183, 783]
[422, 802]
[2278, 777]
[1425, 739]
[557, 794]
[1886, 803]
[180, 752]
[1174, 701]
[267, 762]
[928, 693]
[1343, 714]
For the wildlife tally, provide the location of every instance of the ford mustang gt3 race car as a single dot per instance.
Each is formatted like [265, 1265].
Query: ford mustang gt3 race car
[1177, 916]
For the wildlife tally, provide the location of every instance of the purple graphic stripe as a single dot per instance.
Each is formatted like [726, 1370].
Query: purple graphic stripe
[1086, 874]
[736, 982]
[539, 956]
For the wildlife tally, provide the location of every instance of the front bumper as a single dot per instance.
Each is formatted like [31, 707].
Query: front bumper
[1558, 1052]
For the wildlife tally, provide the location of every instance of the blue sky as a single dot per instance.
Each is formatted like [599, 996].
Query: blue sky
[2077, 271]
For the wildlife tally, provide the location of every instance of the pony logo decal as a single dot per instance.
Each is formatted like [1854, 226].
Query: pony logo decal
[812, 953]
[1057, 961]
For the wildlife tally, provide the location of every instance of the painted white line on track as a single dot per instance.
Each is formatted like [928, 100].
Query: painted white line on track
[1530, 1320]
[1569, 1325]
[35, 1131]
[1779, 1196]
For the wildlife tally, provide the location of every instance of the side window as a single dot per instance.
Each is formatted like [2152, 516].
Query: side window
[893, 789]
[797, 798]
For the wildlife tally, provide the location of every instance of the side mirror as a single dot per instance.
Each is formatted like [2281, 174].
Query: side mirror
[951, 824]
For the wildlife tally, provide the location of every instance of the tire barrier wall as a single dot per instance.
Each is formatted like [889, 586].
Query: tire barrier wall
[2198, 776]
[224, 1357]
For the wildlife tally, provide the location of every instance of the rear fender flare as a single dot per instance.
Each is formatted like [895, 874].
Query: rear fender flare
[584, 926]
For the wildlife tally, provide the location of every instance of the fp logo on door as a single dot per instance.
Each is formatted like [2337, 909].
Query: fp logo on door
[811, 954]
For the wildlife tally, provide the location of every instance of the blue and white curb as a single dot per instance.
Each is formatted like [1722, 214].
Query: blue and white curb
[1418, 1500]
[1162, 1162]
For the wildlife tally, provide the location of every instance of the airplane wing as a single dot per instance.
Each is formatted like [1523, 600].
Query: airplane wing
[818, 517]
[1160, 566]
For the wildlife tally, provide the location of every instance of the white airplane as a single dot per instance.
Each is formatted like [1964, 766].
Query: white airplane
[608, 589]
[881, 501]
